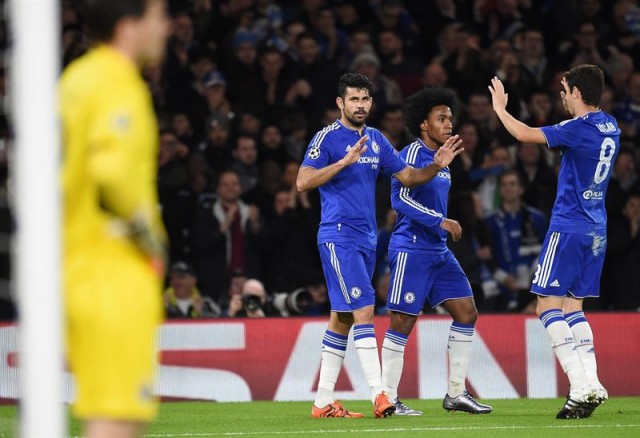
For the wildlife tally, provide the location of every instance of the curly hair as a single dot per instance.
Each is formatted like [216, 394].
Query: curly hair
[418, 106]
[354, 80]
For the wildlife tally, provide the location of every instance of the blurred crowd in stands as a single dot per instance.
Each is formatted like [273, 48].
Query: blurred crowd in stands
[246, 83]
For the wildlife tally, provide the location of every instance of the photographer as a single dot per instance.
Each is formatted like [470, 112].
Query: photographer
[251, 303]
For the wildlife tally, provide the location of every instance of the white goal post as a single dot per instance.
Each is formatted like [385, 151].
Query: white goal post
[33, 73]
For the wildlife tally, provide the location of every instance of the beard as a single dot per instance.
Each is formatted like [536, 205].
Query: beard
[355, 122]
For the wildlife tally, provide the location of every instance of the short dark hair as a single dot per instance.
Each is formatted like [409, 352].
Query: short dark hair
[418, 106]
[589, 79]
[512, 172]
[354, 80]
[102, 16]
[225, 171]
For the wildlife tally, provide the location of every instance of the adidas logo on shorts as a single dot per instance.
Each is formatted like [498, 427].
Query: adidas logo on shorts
[555, 283]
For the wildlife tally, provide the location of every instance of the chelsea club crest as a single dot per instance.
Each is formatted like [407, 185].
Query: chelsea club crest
[409, 297]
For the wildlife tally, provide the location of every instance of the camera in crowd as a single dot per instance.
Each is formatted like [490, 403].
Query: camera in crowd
[251, 302]
[297, 302]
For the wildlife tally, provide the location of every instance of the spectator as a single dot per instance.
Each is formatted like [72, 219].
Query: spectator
[245, 157]
[226, 236]
[216, 147]
[172, 172]
[532, 58]
[233, 293]
[622, 35]
[539, 108]
[465, 64]
[399, 66]
[517, 234]
[585, 48]
[188, 97]
[385, 90]
[253, 301]
[359, 41]
[293, 30]
[249, 124]
[348, 17]
[288, 235]
[495, 163]
[392, 15]
[469, 161]
[394, 127]
[621, 286]
[314, 90]
[173, 193]
[183, 128]
[434, 75]
[183, 300]
[332, 41]
[271, 147]
[180, 44]
[628, 110]
[270, 103]
[479, 112]
[215, 93]
[243, 70]
[624, 181]
[473, 250]
[538, 177]
[269, 180]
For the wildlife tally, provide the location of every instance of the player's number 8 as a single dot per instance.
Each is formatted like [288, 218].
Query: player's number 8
[607, 151]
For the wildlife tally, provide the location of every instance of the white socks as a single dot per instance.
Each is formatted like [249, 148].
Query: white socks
[584, 345]
[564, 347]
[460, 348]
[334, 346]
[367, 348]
[392, 361]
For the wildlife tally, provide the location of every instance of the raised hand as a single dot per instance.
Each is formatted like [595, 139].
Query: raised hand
[453, 227]
[498, 95]
[355, 152]
[448, 151]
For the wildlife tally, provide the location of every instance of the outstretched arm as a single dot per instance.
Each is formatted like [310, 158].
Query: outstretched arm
[412, 177]
[310, 178]
[519, 130]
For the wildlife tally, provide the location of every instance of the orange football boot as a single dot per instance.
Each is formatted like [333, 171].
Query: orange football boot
[333, 410]
[383, 407]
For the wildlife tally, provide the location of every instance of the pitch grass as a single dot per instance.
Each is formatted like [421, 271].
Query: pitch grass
[619, 417]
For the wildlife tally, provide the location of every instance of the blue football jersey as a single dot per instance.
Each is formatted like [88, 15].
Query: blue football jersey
[348, 199]
[421, 210]
[590, 145]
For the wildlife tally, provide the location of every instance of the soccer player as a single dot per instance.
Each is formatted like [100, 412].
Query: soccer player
[343, 160]
[114, 241]
[570, 263]
[423, 269]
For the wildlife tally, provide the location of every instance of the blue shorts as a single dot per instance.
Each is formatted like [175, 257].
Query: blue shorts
[570, 264]
[419, 278]
[348, 270]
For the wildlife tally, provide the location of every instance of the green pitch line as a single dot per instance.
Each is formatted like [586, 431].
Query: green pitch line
[619, 417]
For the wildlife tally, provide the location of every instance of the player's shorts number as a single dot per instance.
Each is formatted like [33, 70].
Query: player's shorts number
[536, 275]
[607, 150]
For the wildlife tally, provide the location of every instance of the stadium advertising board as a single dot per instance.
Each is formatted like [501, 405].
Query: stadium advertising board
[279, 359]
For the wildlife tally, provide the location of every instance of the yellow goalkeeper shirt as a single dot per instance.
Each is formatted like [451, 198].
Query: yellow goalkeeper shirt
[110, 143]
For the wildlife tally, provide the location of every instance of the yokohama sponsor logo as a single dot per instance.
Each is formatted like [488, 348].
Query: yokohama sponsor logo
[279, 359]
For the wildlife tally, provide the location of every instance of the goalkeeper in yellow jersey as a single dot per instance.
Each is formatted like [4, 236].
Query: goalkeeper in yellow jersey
[113, 236]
